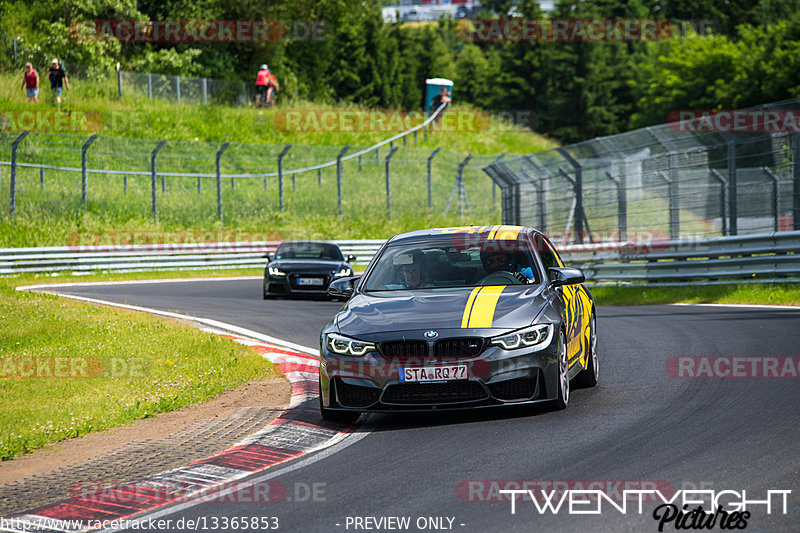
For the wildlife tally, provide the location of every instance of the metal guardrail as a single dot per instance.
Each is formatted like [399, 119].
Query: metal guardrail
[141, 257]
[767, 257]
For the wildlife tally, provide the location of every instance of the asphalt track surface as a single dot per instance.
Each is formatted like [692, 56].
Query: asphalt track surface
[638, 424]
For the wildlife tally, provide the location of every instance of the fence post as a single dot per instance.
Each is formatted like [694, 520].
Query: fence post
[119, 81]
[199, 185]
[219, 179]
[430, 187]
[233, 183]
[389, 184]
[459, 186]
[84, 173]
[579, 215]
[339, 176]
[14, 145]
[319, 176]
[41, 177]
[776, 196]
[163, 184]
[733, 212]
[149, 86]
[205, 91]
[724, 200]
[178, 88]
[494, 185]
[622, 207]
[15, 50]
[280, 174]
[674, 219]
[359, 163]
[153, 178]
[124, 184]
[795, 141]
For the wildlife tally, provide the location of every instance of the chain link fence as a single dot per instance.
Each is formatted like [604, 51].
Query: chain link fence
[182, 182]
[663, 181]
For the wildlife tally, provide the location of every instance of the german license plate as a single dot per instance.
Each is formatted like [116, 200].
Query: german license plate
[309, 281]
[433, 373]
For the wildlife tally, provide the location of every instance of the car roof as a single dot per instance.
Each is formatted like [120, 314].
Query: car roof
[308, 242]
[493, 232]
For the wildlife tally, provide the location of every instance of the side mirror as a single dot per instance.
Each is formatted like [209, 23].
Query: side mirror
[342, 289]
[266, 256]
[351, 258]
[566, 276]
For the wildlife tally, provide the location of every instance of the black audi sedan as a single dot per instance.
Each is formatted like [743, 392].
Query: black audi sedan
[305, 268]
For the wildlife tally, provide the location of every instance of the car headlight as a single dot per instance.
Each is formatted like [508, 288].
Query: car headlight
[273, 271]
[536, 337]
[343, 272]
[348, 346]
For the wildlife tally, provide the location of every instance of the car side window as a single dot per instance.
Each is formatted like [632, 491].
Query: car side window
[548, 256]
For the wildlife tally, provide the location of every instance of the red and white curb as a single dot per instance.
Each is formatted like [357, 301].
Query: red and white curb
[297, 431]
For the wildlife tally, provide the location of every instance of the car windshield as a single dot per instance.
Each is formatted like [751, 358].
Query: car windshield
[448, 263]
[309, 250]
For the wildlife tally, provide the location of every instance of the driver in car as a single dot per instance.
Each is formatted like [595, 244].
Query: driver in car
[412, 274]
[496, 261]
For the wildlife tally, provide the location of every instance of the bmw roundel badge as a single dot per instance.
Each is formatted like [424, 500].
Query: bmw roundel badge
[431, 334]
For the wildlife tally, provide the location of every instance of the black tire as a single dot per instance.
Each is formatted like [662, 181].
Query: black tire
[588, 376]
[341, 417]
[562, 392]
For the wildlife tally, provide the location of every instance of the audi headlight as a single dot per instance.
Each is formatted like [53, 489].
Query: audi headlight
[348, 346]
[343, 272]
[536, 337]
[273, 271]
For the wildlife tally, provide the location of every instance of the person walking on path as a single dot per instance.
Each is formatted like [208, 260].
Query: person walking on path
[30, 82]
[58, 80]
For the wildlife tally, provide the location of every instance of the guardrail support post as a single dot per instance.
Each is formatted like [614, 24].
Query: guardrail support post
[430, 186]
[280, 175]
[733, 212]
[219, 179]
[795, 140]
[389, 184]
[41, 178]
[14, 145]
[339, 176]
[723, 199]
[153, 179]
[622, 206]
[84, 173]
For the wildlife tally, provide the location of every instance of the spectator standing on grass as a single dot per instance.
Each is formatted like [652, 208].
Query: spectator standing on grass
[442, 98]
[57, 77]
[30, 82]
[266, 85]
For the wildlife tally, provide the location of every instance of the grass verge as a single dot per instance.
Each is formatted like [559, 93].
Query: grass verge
[67, 368]
[741, 293]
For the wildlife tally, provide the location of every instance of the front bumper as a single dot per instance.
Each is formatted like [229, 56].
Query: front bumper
[290, 284]
[495, 377]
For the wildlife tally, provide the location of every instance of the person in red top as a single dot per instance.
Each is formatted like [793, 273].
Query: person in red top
[266, 85]
[30, 82]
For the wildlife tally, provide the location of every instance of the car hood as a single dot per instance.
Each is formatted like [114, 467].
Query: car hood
[381, 312]
[306, 265]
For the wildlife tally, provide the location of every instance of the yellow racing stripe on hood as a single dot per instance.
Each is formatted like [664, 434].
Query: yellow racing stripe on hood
[479, 311]
[468, 307]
